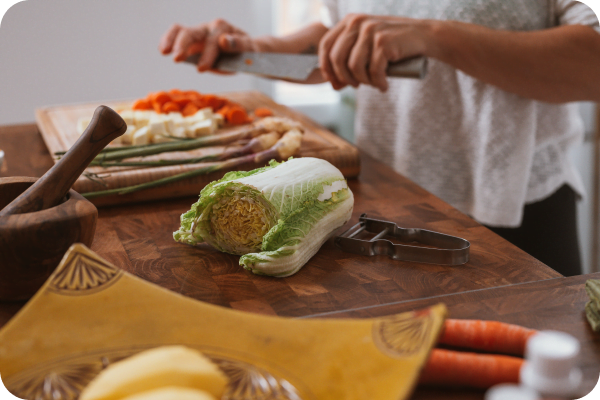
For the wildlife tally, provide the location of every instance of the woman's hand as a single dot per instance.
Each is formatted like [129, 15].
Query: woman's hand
[210, 39]
[358, 49]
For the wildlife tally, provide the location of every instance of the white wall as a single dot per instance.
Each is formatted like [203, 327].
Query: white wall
[71, 51]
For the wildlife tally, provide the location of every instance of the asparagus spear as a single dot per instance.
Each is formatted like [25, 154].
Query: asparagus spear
[255, 145]
[284, 148]
[269, 124]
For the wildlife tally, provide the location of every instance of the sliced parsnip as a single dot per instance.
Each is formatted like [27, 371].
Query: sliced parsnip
[157, 368]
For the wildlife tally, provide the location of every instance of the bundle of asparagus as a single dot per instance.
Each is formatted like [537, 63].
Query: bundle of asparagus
[266, 139]
[592, 308]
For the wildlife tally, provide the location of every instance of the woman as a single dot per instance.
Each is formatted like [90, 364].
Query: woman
[488, 130]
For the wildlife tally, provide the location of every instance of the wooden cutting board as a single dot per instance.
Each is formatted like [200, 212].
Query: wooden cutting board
[58, 126]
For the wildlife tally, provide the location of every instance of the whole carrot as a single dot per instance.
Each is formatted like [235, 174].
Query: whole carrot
[456, 368]
[490, 336]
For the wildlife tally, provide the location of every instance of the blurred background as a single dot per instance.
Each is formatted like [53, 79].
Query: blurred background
[75, 51]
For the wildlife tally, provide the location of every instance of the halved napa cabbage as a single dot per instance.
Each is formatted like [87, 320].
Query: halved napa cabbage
[276, 217]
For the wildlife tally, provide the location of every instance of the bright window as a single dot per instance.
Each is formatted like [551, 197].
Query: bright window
[289, 16]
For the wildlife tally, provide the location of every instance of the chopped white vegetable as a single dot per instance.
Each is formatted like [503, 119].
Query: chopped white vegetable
[141, 136]
[127, 137]
[202, 128]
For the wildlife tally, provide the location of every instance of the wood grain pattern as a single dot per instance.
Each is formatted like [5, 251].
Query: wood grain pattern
[58, 127]
[138, 238]
[32, 244]
[25, 151]
[555, 304]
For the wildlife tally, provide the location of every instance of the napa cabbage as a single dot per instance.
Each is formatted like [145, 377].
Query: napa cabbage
[276, 217]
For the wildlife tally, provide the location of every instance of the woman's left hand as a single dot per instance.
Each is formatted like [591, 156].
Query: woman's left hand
[358, 49]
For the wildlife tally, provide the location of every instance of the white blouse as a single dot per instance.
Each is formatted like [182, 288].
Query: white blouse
[483, 150]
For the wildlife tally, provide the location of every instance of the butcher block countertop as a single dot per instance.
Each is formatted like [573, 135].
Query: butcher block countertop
[138, 238]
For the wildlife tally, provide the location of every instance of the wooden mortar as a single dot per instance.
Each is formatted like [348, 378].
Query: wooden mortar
[32, 244]
[41, 218]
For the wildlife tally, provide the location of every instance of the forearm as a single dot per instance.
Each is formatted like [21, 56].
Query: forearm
[555, 65]
[306, 40]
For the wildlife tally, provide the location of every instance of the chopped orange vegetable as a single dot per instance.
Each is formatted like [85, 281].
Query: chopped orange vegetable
[188, 102]
[236, 115]
[181, 101]
[262, 112]
[176, 92]
[170, 106]
[214, 102]
[160, 97]
[223, 111]
[189, 109]
[142, 104]
[455, 368]
[192, 94]
[491, 336]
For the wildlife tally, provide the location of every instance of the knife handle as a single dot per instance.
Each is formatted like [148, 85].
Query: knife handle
[410, 68]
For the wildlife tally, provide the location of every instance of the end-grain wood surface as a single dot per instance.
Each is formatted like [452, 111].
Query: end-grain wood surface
[138, 238]
[556, 304]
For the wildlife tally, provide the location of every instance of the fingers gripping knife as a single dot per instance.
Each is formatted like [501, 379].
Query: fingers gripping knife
[435, 247]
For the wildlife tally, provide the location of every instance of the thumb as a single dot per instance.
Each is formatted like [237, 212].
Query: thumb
[235, 43]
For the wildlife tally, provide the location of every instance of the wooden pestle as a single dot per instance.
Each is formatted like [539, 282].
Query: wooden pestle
[48, 191]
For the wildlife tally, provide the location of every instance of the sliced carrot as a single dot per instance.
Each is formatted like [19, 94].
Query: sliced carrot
[175, 92]
[170, 106]
[236, 115]
[262, 112]
[200, 103]
[214, 102]
[455, 368]
[160, 97]
[223, 111]
[142, 104]
[490, 336]
[181, 101]
[192, 94]
[189, 109]
[188, 102]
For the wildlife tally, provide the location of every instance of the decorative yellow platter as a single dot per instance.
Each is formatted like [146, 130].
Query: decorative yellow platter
[90, 314]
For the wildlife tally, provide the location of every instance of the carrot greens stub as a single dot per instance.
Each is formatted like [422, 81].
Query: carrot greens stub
[276, 217]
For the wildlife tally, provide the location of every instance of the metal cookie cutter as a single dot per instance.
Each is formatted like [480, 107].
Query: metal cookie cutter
[442, 249]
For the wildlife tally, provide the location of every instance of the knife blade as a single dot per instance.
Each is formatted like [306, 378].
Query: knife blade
[298, 67]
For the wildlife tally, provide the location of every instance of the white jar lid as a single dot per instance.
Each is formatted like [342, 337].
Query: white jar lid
[550, 366]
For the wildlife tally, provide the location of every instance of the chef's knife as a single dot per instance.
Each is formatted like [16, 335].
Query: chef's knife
[298, 67]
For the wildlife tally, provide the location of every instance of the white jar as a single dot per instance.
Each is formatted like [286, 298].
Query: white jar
[550, 367]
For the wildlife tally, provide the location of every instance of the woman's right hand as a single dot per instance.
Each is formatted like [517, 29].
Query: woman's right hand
[210, 39]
